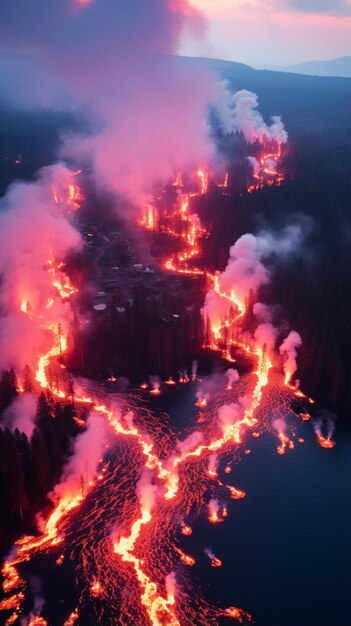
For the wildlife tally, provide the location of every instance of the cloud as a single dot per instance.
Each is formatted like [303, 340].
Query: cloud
[334, 7]
[116, 60]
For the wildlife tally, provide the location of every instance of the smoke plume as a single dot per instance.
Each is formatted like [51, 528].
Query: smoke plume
[288, 350]
[191, 442]
[115, 59]
[35, 236]
[88, 451]
[233, 377]
[21, 414]
[238, 113]
[247, 270]
[146, 492]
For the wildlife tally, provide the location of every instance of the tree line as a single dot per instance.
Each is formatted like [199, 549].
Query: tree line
[31, 466]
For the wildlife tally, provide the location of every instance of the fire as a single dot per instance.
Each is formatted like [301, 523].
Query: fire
[267, 168]
[12, 602]
[212, 473]
[159, 607]
[286, 442]
[38, 621]
[203, 179]
[236, 494]
[70, 198]
[72, 618]
[149, 218]
[238, 614]
[214, 518]
[224, 184]
[96, 589]
[12, 579]
[325, 442]
[201, 403]
[185, 558]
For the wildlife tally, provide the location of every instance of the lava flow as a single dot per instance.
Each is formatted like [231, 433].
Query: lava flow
[125, 533]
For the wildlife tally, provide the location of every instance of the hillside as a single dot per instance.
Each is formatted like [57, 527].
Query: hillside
[336, 67]
[306, 103]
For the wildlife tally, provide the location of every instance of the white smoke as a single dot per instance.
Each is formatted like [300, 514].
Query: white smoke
[288, 350]
[238, 113]
[21, 414]
[146, 491]
[246, 271]
[87, 453]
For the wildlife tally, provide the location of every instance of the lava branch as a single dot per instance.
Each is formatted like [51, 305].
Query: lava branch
[159, 609]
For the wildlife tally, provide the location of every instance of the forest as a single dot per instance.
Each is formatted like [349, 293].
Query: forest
[163, 329]
[31, 464]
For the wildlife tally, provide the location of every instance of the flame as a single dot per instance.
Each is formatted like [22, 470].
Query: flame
[72, 618]
[236, 494]
[286, 442]
[268, 171]
[238, 614]
[70, 198]
[170, 381]
[186, 558]
[96, 589]
[325, 442]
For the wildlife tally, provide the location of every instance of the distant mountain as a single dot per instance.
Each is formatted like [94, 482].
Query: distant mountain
[340, 67]
[306, 103]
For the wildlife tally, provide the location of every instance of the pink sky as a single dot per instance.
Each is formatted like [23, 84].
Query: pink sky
[275, 32]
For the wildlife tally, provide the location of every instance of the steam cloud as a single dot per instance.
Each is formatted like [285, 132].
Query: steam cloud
[146, 491]
[21, 414]
[191, 442]
[33, 232]
[115, 59]
[87, 453]
[288, 350]
[238, 113]
[246, 271]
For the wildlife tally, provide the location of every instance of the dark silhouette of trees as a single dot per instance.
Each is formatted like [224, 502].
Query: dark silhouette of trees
[29, 468]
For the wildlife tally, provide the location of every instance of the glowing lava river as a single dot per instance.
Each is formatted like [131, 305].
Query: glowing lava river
[158, 537]
[178, 521]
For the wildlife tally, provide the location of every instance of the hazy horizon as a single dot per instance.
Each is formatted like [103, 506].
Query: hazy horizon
[272, 32]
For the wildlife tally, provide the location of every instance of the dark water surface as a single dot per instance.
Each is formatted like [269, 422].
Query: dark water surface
[286, 547]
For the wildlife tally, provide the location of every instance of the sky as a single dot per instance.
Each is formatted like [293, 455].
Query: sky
[273, 32]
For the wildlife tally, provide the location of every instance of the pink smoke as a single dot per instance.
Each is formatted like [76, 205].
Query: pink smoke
[288, 350]
[146, 491]
[33, 232]
[115, 59]
[191, 442]
[21, 414]
[81, 468]
[232, 376]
